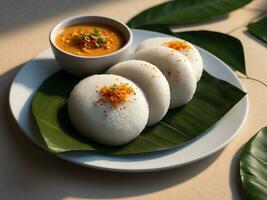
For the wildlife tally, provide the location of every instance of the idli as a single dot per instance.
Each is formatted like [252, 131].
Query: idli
[177, 70]
[108, 109]
[184, 47]
[151, 80]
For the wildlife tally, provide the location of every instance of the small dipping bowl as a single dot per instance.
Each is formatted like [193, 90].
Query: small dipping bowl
[82, 66]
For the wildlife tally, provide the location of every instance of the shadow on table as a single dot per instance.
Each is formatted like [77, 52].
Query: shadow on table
[235, 180]
[36, 174]
[20, 14]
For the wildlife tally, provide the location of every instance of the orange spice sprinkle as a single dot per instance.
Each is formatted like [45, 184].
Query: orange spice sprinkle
[116, 94]
[177, 45]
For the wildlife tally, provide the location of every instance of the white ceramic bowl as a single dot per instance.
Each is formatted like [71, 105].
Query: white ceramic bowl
[86, 65]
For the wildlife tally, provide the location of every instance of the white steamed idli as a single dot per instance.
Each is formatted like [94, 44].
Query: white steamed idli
[177, 70]
[108, 109]
[184, 47]
[150, 79]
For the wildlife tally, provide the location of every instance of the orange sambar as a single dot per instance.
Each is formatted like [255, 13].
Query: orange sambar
[91, 39]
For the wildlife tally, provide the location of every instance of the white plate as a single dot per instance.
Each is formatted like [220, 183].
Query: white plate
[32, 74]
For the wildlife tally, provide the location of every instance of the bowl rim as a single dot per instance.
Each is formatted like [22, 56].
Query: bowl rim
[126, 45]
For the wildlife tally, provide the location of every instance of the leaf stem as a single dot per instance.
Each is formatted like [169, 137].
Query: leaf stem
[253, 79]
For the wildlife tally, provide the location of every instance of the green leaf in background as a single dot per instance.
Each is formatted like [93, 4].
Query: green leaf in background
[259, 29]
[213, 99]
[253, 167]
[228, 48]
[185, 11]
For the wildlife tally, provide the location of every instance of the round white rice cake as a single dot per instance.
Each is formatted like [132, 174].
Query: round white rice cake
[188, 50]
[177, 70]
[102, 122]
[151, 80]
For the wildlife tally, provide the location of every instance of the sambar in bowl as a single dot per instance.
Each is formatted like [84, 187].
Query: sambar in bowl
[88, 45]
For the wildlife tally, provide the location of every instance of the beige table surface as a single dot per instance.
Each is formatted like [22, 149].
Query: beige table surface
[28, 172]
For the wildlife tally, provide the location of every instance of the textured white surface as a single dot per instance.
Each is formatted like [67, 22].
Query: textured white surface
[191, 53]
[103, 122]
[151, 81]
[177, 70]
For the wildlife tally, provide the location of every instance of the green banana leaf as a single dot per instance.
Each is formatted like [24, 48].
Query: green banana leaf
[253, 167]
[226, 47]
[185, 11]
[259, 29]
[212, 100]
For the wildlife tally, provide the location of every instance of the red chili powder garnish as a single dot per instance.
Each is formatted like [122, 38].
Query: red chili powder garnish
[115, 94]
[178, 45]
